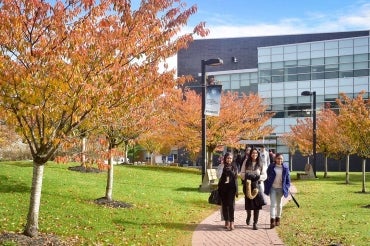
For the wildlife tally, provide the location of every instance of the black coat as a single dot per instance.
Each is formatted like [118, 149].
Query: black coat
[228, 191]
[258, 201]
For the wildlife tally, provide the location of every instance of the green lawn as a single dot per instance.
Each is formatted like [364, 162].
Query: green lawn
[167, 206]
[331, 212]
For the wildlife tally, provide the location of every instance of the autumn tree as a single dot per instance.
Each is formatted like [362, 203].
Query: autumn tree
[302, 135]
[62, 63]
[289, 139]
[240, 117]
[354, 119]
[125, 123]
[327, 135]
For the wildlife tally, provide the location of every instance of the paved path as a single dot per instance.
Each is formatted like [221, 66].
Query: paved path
[211, 232]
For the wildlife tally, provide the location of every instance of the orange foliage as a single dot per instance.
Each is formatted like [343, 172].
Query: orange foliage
[354, 120]
[302, 135]
[64, 63]
[61, 159]
[69, 63]
[240, 117]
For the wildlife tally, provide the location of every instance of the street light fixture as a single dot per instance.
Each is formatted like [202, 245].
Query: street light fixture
[209, 62]
[313, 94]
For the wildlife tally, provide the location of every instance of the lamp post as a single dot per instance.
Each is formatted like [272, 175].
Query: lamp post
[209, 62]
[313, 94]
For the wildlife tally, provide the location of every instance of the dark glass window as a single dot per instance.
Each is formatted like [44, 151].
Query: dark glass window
[303, 69]
[265, 72]
[276, 79]
[279, 71]
[302, 77]
[346, 74]
[318, 76]
[279, 114]
[292, 77]
[290, 70]
[320, 68]
[331, 75]
[361, 72]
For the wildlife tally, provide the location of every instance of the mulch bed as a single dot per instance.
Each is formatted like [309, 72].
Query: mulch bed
[83, 169]
[9, 238]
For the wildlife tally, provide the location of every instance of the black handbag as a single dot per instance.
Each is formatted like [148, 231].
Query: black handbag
[214, 198]
[259, 200]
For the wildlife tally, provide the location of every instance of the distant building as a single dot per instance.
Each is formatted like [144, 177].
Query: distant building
[280, 68]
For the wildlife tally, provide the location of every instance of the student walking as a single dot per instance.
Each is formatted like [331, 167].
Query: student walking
[277, 185]
[253, 174]
[228, 190]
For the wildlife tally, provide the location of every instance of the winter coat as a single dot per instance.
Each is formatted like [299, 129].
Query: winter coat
[228, 191]
[271, 174]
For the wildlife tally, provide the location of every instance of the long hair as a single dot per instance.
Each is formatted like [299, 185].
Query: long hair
[249, 160]
[227, 154]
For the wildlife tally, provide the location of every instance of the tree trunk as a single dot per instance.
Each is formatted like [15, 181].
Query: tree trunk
[291, 161]
[83, 152]
[326, 167]
[126, 152]
[363, 175]
[347, 169]
[32, 226]
[109, 188]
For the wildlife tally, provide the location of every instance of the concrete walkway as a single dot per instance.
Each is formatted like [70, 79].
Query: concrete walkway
[211, 232]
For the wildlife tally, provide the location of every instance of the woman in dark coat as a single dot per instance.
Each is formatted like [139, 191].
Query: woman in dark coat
[228, 190]
[253, 173]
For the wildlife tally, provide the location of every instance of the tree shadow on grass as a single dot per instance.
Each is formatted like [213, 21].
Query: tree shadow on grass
[169, 169]
[20, 163]
[170, 225]
[188, 189]
[8, 186]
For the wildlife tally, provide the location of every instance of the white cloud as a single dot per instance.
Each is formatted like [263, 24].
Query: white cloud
[355, 18]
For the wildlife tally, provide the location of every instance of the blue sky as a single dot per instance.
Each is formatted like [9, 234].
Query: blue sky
[246, 18]
[241, 18]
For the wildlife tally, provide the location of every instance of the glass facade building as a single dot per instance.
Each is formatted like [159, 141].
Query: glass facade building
[280, 68]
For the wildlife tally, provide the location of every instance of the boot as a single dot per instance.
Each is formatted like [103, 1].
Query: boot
[277, 221]
[232, 226]
[255, 219]
[227, 224]
[248, 220]
[272, 223]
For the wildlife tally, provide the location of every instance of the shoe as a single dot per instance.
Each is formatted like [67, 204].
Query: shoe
[255, 226]
[232, 226]
[277, 222]
[248, 220]
[227, 224]
[272, 223]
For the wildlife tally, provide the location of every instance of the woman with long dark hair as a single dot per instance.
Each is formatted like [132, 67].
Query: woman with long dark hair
[253, 173]
[228, 190]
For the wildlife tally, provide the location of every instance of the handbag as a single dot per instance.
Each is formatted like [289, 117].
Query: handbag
[259, 200]
[214, 198]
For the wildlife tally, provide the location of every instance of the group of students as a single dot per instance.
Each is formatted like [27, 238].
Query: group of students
[259, 176]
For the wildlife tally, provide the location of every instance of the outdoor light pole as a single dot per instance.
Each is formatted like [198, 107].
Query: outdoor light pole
[210, 62]
[313, 94]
